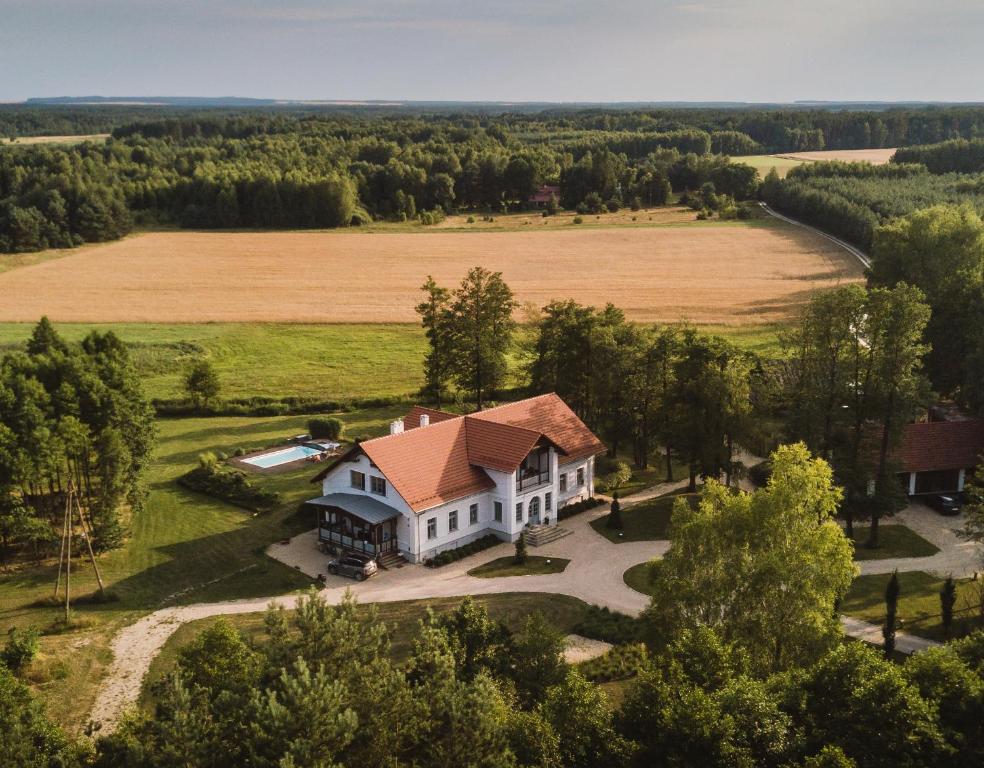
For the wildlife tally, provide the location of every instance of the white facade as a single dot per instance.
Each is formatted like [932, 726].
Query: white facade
[421, 535]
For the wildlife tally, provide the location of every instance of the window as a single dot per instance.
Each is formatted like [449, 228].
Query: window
[453, 520]
[497, 507]
[358, 480]
[548, 502]
[519, 512]
[580, 476]
[378, 485]
[563, 482]
[473, 514]
[432, 528]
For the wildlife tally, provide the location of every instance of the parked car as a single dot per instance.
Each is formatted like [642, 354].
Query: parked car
[945, 504]
[355, 566]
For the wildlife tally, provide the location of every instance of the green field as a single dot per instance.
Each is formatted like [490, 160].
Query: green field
[919, 603]
[329, 362]
[183, 548]
[561, 611]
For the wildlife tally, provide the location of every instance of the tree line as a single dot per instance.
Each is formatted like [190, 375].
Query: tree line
[954, 156]
[70, 415]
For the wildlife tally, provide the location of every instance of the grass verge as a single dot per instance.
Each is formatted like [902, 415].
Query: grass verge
[919, 603]
[646, 521]
[893, 541]
[638, 578]
[535, 565]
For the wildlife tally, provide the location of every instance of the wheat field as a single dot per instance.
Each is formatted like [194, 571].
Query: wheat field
[731, 274]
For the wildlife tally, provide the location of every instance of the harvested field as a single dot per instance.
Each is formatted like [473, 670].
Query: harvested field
[874, 156]
[728, 274]
[98, 137]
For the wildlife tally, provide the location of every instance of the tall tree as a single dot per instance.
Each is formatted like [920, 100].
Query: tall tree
[482, 324]
[202, 383]
[891, 614]
[773, 564]
[435, 318]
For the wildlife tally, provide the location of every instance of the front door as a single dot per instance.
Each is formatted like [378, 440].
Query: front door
[535, 510]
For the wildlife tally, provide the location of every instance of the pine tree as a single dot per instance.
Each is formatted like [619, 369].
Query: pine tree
[891, 609]
[948, 597]
[520, 558]
[615, 514]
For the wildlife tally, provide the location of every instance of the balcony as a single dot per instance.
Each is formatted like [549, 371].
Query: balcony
[527, 479]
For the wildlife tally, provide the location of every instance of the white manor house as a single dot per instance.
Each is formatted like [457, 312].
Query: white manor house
[440, 480]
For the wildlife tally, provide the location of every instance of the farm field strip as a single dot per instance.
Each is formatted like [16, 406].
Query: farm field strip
[725, 274]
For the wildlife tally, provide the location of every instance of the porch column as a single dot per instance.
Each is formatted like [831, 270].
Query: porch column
[912, 483]
[961, 479]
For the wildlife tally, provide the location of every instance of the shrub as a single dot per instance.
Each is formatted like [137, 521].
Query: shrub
[521, 554]
[578, 507]
[328, 428]
[21, 648]
[619, 663]
[610, 626]
[470, 220]
[578, 220]
[635, 205]
[228, 485]
[613, 205]
[594, 203]
[453, 555]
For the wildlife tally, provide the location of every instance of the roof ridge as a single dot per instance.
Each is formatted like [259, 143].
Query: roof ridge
[513, 402]
[434, 425]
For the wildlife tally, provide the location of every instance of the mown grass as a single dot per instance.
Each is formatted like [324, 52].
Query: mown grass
[328, 362]
[535, 565]
[893, 541]
[638, 578]
[765, 163]
[561, 611]
[646, 521]
[183, 548]
[919, 603]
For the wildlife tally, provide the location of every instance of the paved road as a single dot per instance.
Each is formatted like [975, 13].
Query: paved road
[872, 633]
[853, 250]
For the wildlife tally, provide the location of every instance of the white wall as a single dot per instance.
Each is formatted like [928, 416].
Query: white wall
[575, 492]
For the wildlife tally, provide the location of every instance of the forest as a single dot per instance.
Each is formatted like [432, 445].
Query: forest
[321, 168]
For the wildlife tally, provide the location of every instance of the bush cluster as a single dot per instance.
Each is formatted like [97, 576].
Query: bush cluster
[453, 555]
[270, 406]
[610, 626]
[620, 663]
[21, 648]
[578, 507]
[229, 485]
[328, 428]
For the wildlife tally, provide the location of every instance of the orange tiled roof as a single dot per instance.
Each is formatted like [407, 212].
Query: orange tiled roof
[444, 461]
[940, 445]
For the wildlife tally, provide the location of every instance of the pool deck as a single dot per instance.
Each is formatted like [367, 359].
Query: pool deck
[240, 462]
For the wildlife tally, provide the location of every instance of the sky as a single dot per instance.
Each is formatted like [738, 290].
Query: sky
[496, 50]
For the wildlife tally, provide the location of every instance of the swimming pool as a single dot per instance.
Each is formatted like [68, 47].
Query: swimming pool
[283, 456]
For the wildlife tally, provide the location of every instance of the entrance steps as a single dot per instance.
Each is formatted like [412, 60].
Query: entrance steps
[538, 535]
[389, 560]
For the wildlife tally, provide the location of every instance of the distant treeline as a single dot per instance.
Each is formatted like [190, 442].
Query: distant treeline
[954, 156]
[849, 200]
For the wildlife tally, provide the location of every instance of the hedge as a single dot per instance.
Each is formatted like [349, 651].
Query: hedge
[229, 485]
[322, 427]
[271, 406]
[578, 507]
[610, 626]
[453, 555]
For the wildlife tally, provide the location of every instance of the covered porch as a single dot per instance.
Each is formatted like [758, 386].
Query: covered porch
[356, 523]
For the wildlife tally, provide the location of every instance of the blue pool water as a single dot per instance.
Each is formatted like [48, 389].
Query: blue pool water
[283, 456]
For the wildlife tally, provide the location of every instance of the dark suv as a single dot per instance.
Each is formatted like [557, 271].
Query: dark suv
[355, 566]
[945, 504]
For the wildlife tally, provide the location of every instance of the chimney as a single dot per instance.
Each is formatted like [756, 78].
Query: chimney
[425, 419]
[396, 427]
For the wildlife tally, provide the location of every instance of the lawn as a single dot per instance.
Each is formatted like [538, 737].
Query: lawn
[328, 362]
[637, 578]
[183, 548]
[647, 521]
[919, 603]
[561, 611]
[535, 565]
[893, 541]
[654, 474]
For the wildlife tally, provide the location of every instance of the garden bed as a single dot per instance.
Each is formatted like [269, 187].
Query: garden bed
[535, 565]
